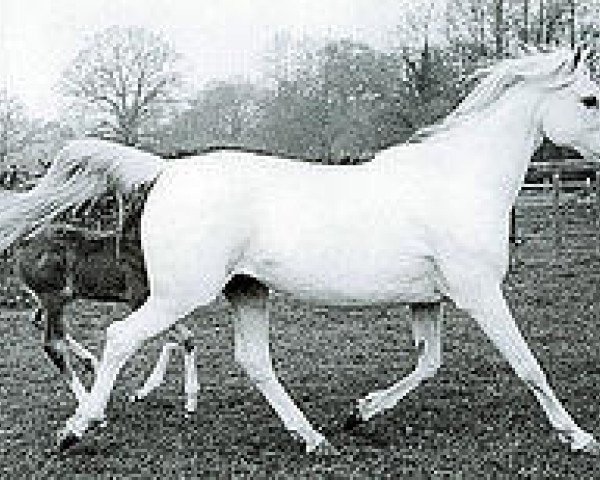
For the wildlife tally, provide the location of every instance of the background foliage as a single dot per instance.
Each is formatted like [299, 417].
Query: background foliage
[334, 101]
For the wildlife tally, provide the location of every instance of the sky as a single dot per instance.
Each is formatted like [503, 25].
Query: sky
[216, 38]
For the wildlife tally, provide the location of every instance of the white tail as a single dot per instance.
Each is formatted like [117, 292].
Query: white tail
[83, 171]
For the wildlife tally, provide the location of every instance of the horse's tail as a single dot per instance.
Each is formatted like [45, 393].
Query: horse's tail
[69, 183]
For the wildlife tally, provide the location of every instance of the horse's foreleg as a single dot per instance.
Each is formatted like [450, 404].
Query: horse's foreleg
[426, 323]
[123, 338]
[252, 353]
[491, 312]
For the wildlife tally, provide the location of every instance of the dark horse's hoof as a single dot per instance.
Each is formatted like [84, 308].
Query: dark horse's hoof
[67, 442]
[88, 365]
[353, 421]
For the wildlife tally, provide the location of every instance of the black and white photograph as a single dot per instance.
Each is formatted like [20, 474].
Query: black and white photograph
[352, 239]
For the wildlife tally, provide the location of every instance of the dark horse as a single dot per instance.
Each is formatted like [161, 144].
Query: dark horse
[65, 262]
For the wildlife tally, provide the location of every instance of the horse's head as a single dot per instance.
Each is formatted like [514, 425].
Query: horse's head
[570, 110]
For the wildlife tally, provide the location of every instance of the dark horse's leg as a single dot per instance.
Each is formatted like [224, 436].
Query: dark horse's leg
[47, 317]
[42, 268]
[55, 345]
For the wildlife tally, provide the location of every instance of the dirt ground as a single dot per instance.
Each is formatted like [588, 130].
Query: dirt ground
[475, 419]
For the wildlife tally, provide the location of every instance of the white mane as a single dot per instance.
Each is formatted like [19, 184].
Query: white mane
[552, 70]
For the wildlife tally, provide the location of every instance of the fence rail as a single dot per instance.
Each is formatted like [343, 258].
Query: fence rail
[556, 196]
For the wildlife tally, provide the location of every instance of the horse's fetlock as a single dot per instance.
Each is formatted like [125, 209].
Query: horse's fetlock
[535, 380]
[429, 369]
[257, 373]
[119, 340]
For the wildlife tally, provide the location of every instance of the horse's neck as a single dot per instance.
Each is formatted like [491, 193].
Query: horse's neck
[496, 149]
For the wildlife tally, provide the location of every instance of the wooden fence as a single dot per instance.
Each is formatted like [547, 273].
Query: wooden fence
[555, 195]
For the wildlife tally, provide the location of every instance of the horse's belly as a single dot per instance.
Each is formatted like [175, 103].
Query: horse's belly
[406, 279]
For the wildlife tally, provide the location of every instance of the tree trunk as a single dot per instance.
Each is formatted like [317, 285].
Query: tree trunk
[499, 28]
[525, 34]
[572, 22]
[540, 36]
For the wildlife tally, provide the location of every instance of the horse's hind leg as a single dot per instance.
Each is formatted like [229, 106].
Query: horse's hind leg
[157, 376]
[426, 323]
[249, 298]
[123, 338]
[183, 339]
[190, 372]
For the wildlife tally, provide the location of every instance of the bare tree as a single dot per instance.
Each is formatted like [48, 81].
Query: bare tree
[127, 77]
[224, 113]
[15, 128]
[499, 30]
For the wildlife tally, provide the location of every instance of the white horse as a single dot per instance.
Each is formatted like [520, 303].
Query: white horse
[421, 222]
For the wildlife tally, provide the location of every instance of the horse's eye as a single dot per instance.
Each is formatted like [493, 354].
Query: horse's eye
[590, 102]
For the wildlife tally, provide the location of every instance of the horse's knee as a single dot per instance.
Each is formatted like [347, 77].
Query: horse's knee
[428, 366]
[534, 378]
[428, 369]
[258, 370]
[430, 359]
[185, 338]
[188, 344]
[37, 318]
[259, 376]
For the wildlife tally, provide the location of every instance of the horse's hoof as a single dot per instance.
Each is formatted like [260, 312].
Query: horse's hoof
[88, 365]
[591, 448]
[66, 441]
[580, 441]
[353, 421]
[323, 450]
[189, 412]
[98, 423]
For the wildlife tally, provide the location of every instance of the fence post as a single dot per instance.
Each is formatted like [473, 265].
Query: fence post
[556, 209]
[597, 188]
[512, 225]
[597, 210]
[512, 238]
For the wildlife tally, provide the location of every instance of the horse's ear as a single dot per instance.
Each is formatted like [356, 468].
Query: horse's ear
[581, 54]
[577, 58]
[526, 48]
